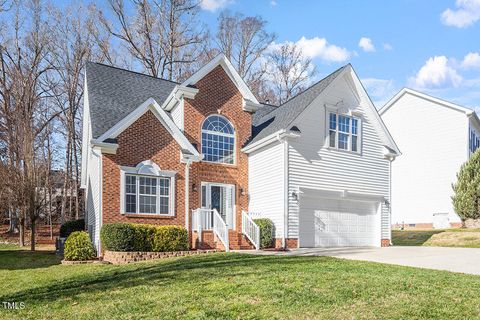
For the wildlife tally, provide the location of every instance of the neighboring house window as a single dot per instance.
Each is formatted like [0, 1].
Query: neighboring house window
[147, 190]
[474, 141]
[218, 140]
[343, 132]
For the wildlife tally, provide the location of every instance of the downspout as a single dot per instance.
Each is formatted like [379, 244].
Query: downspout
[187, 194]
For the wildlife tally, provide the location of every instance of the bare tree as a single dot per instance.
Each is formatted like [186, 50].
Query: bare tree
[26, 113]
[244, 41]
[164, 36]
[289, 71]
[71, 49]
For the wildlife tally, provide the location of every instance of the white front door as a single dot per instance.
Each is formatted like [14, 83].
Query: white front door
[222, 198]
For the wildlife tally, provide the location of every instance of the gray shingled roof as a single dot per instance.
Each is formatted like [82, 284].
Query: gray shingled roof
[281, 117]
[113, 93]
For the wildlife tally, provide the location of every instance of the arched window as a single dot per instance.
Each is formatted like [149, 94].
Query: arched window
[218, 140]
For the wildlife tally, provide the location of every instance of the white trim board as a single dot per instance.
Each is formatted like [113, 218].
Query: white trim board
[167, 122]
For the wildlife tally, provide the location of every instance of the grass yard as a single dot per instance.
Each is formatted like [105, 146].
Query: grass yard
[231, 286]
[466, 238]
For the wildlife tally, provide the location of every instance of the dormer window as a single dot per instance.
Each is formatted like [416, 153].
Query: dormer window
[343, 132]
[218, 140]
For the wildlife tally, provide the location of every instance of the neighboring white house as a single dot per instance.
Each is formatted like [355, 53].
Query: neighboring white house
[435, 137]
[319, 167]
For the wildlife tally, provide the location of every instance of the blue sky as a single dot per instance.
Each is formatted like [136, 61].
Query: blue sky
[429, 45]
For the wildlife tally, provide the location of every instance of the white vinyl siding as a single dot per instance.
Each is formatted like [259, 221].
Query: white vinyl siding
[93, 197]
[177, 114]
[266, 184]
[312, 164]
[434, 142]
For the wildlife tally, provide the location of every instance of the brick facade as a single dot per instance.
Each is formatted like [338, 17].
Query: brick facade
[218, 94]
[147, 139]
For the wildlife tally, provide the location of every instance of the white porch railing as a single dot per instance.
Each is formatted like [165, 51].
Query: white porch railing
[220, 229]
[202, 219]
[210, 219]
[250, 229]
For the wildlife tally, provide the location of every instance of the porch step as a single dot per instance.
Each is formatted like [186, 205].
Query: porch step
[237, 241]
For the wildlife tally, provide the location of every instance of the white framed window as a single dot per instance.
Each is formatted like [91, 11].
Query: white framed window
[145, 189]
[474, 141]
[344, 131]
[218, 140]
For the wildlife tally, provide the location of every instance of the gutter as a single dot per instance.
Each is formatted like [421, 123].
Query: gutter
[177, 93]
[281, 134]
[105, 147]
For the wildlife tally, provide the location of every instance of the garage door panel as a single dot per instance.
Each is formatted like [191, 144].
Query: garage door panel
[336, 223]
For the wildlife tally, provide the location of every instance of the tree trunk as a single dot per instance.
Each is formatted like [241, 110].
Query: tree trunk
[32, 235]
[21, 235]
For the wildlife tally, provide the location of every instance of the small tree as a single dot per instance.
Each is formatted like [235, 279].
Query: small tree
[466, 198]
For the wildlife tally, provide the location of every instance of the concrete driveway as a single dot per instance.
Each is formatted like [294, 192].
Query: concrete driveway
[463, 260]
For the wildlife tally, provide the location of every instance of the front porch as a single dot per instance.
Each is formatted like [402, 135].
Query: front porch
[210, 230]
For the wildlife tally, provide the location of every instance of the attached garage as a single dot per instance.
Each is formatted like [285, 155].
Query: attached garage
[325, 222]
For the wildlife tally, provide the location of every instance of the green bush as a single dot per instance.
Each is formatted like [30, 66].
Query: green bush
[144, 234]
[143, 237]
[466, 197]
[70, 226]
[266, 232]
[118, 237]
[170, 238]
[79, 247]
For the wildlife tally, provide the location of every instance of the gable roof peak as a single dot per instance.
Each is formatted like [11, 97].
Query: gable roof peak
[416, 93]
[227, 66]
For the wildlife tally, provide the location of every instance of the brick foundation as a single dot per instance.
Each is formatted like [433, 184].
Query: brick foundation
[290, 243]
[117, 257]
[385, 242]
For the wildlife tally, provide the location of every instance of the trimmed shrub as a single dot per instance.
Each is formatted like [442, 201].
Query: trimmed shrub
[266, 232]
[144, 234]
[118, 236]
[79, 247]
[71, 226]
[170, 238]
[143, 237]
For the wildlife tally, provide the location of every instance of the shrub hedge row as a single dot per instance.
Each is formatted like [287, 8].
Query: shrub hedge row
[143, 237]
[70, 226]
[266, 232]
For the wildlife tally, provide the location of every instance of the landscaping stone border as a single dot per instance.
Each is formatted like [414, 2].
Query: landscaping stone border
[120, 257]
[84, 262]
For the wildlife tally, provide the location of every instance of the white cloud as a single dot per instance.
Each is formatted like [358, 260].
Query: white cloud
[366, 44]
[213, 5]
[387, 46]
[320, 48]
[466, 13]
[437, 72]
[380, 90]
[273, 3]
[471, 61]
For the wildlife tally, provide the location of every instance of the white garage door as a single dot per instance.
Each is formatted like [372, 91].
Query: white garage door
[338, 223]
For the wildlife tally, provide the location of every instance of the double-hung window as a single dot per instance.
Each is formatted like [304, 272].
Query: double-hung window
[147, 190]
[343, 132]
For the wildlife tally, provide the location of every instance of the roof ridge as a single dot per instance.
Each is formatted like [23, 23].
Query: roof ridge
[313, 85]
[131, 71]
[266, 116]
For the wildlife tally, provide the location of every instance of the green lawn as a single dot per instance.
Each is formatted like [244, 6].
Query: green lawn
[232, 286]
[466, 238]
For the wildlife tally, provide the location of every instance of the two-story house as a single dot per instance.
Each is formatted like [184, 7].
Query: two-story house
[206, 155]
[436, 137]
